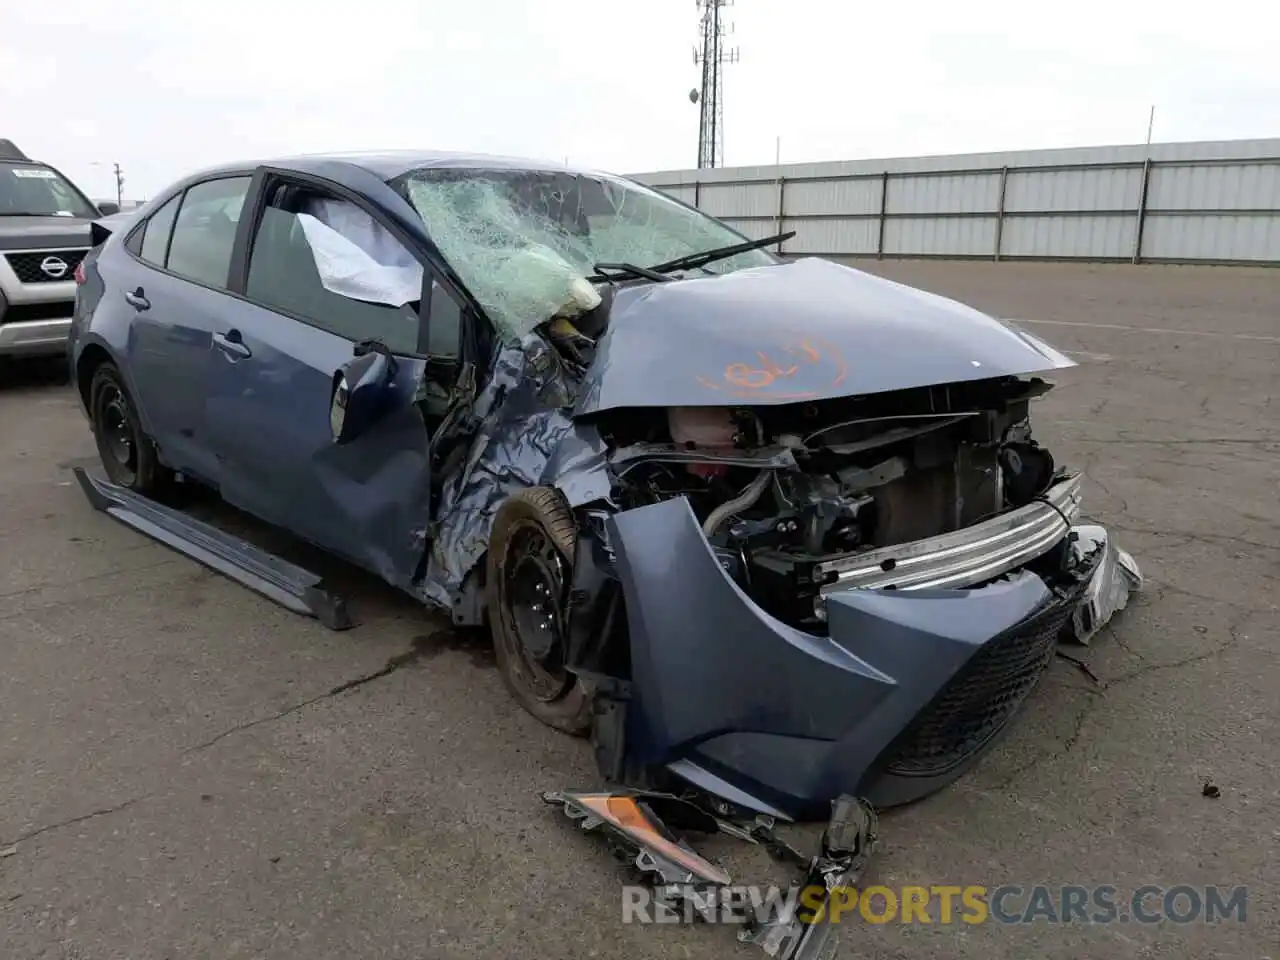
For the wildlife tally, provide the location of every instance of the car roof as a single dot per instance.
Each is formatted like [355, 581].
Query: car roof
[389, 164]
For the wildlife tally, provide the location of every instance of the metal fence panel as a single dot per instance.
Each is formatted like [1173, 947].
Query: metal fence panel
[963, 193]
[1087, 189]
[733, 200]
[1068, 237]
[1227, 186]
[1212, 239]
[1210, 202]
[686, 193]
[756, 229]
[933, 237]
[858, 237]
[850, 197]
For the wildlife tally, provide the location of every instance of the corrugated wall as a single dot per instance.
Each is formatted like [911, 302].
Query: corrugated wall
[1212, 202]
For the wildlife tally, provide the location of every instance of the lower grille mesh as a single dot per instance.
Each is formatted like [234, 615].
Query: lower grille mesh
[982, 697]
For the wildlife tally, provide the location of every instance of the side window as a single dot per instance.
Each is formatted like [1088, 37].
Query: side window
[444, 331]
[134, 242]
[329, 263]
[155, 238]
[205, 230]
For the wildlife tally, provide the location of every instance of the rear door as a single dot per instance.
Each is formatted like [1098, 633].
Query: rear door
[325, 272]
[174, 280]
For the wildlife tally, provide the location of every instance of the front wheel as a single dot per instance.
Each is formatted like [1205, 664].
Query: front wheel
[529, 572]
[128, 454]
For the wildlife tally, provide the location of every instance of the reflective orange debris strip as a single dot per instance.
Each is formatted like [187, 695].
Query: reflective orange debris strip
[625, 814]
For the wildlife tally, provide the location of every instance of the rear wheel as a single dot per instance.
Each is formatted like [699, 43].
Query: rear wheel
[128, 454]
[529, 572]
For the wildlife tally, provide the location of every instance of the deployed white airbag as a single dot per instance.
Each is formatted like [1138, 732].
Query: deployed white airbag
[357, 257]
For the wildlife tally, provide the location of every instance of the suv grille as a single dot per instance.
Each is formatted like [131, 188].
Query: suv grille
[27, 265]
[982, 697]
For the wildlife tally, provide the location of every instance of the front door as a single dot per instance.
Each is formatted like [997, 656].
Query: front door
[274, 364]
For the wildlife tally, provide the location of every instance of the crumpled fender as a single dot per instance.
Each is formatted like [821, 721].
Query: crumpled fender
[727, 695]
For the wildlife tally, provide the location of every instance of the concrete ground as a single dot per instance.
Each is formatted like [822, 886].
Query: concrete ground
[187, 771]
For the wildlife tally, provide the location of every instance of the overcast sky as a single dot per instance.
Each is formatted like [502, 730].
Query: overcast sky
[167, 87]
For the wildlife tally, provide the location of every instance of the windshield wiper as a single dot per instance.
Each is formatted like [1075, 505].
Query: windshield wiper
[602, 271]
[694, 260]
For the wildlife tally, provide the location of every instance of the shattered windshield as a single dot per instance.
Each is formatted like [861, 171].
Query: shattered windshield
[27, 190]
[524, 241]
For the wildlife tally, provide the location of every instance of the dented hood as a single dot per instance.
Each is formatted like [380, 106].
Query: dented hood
[806, 330]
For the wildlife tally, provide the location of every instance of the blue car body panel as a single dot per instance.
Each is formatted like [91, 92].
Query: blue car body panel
[257, 428]
[267, 416]
[724, 689]
[168, 352]
[804, 331]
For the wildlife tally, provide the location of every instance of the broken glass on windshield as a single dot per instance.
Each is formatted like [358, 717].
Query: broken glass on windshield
[525, 241]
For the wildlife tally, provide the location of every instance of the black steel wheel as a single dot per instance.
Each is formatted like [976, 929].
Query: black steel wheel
[529, 572]
[128, 454]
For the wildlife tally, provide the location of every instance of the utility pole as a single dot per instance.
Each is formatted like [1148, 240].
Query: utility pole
[711, 55]
[119, 175]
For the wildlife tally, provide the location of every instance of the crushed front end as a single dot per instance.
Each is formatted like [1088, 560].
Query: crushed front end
[784, 604]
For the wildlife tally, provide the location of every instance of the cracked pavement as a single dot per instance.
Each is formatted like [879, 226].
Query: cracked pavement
[191, 772]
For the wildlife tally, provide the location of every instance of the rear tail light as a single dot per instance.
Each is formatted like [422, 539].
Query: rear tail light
[79, 274]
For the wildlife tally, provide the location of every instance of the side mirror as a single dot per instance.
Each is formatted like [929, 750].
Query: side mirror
[361, 392]
[108, 208]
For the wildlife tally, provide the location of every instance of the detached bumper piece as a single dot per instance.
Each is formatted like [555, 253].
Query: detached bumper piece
[1115, 577]
[847, 845]
[284, 583]
[646, 827]
[644, 824]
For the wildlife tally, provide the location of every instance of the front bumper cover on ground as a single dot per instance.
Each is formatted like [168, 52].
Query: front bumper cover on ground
[908, 689]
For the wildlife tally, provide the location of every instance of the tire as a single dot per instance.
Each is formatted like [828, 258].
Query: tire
[532, 542]
[128, 454]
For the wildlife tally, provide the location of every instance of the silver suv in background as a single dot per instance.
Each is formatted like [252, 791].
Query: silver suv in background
[44, 234]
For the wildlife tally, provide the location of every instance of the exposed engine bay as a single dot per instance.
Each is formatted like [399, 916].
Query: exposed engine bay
[784, 492]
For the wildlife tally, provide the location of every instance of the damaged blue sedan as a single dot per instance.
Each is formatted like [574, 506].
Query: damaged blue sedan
[774, 529]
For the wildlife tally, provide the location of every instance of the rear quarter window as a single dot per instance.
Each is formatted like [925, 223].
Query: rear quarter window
[153, 239]
[133, 243]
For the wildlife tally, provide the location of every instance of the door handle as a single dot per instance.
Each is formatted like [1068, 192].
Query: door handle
[138, 300]
[232, 344]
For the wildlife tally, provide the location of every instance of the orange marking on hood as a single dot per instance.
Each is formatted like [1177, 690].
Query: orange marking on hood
[753, 380]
